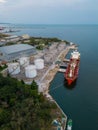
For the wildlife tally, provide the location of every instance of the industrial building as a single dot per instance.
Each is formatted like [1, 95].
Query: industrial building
[25, 37]
[14, 52]
[12, 38]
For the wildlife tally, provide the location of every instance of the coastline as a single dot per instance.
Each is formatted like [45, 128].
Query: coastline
[50, 76]
[85, 37]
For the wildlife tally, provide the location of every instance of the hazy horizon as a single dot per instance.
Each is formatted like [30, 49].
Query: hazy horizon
[48, 24]
[49, 11]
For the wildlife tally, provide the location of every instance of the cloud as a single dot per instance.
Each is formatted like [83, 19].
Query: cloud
[43, 3]
[52, 2]
[3, 1]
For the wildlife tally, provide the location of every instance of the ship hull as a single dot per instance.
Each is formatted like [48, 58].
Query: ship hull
[72, 79]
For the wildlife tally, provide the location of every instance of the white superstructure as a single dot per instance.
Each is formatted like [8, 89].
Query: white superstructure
[30, 71]
[39, 63]
[24, 61]
[14, 68]
[75, 55]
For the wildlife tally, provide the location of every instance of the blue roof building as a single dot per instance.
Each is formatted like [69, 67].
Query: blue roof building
[13, 52]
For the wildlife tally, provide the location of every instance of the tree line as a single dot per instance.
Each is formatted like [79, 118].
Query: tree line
[22, 107]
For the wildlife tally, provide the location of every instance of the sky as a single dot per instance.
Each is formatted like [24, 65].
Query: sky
[49, 11]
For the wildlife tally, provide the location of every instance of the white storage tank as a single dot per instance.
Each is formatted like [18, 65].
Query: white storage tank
[39, 63]
[30, 71]
[24, 61]
[14, 68]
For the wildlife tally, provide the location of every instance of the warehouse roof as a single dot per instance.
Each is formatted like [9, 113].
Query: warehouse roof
[11, 37]
[15, 48]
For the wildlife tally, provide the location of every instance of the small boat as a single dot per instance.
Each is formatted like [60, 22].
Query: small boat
[69, 124]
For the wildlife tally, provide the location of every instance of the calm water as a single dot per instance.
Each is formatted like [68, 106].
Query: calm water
[80, 103]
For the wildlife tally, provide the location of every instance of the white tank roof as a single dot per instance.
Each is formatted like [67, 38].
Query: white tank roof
[24, 61]
[29, 67]
[37, 60]
[39, 63]
[30, 71]
[13, 68]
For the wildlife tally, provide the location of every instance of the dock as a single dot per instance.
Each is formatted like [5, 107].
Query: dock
[62, 70]
[66, 60]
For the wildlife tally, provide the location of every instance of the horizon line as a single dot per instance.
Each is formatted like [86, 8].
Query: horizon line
[52, 23]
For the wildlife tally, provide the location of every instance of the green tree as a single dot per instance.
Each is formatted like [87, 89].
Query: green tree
[5, 116]
[34, 85]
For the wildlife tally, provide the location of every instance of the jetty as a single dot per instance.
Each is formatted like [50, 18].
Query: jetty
[66, 60]
[62, 70]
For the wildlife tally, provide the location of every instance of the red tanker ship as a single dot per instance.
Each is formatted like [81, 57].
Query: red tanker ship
[71, 73]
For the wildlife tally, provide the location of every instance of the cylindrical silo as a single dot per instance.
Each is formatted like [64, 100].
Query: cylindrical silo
[39, 63]
[24, 61]
[30, 71]
[14, 68]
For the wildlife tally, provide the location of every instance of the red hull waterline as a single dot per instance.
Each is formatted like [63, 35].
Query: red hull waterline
[71, 73]
[69, 81]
